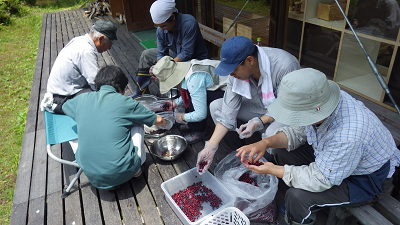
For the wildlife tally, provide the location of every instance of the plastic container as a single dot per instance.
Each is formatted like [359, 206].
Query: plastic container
[259, 41]
[230, 216]
[186, 179]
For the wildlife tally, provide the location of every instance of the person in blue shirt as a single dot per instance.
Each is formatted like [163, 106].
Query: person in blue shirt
[178, 35]
[110, 130]
[334, 152]
[198, 87]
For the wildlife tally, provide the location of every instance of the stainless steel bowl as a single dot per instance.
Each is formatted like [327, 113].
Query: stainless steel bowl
[150, 138]
[171, 94]
[169, 147]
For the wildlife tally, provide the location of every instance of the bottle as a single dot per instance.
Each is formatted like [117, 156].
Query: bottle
[259, 41]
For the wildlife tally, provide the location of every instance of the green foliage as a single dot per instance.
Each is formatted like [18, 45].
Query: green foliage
[30, 2]
[19, 40]
[255, 6]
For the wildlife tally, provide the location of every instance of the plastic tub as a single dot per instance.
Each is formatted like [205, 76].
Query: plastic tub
[228, 216]
[188, 178]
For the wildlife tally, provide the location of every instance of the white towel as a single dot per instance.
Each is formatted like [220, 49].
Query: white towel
[242, 87]
[161, 10]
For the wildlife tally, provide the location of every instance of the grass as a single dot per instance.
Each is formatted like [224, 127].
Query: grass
[255, 6]
[18, 47]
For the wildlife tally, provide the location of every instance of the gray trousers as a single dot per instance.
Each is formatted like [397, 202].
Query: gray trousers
[148, 58]
[248, 110]
[301, 205]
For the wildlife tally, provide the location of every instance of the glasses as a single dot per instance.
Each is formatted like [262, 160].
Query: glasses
[241, 63]
[162, 26]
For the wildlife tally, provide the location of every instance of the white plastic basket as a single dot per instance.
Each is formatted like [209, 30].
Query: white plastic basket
[230, 216]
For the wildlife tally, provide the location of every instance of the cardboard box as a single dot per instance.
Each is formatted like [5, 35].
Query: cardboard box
[330, 11]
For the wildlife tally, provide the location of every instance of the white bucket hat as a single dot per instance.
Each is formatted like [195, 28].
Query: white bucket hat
[305, 97]
[170, 73]
[161, 10]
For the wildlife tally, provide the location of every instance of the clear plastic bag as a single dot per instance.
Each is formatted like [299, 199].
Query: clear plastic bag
[159, 106]
[250, 199]
[167, 115]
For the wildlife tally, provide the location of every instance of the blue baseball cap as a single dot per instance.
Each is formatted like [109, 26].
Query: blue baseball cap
[233, 51]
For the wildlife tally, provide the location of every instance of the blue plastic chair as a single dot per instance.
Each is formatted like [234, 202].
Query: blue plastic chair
[60, 129]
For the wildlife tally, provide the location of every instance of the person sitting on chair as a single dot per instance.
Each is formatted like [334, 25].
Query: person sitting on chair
[110, 130]
[333, 152]
[198, 86]
[76, 66]
[178, 35]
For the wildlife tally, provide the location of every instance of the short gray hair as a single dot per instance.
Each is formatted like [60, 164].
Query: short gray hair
[95, 34]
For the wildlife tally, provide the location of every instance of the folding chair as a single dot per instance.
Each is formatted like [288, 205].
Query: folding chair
[59, 129]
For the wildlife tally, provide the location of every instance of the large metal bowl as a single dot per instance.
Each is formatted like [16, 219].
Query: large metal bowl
[169, 147]
[150, 138]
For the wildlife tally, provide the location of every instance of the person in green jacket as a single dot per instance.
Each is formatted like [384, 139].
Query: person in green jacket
[110, 130]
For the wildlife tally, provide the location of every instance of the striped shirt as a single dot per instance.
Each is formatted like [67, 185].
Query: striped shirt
[352, 141]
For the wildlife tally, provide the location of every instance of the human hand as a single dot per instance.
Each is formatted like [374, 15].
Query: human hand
[265, 168]
[205, 157]
[160, 121]
[248, 129]
[151, 70]
[179, 118]
[252, 149]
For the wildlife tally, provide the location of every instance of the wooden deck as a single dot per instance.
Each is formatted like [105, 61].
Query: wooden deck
[41, 180]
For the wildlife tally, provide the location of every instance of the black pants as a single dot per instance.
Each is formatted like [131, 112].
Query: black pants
[301, 205]
[202, 125]
[60, 100]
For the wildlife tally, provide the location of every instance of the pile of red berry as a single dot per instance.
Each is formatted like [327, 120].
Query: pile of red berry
[166, 106]
[190, 199]
[159, 131]
[258, 163]
[246, 178]
[202, 165]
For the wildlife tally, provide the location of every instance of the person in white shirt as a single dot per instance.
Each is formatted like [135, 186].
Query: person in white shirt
[76, 65]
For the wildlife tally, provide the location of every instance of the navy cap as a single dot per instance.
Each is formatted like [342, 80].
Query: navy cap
[233, 51]
[106, 28]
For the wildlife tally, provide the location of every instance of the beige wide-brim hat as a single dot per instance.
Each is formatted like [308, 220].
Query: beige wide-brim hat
[170, 73]
[305, 97]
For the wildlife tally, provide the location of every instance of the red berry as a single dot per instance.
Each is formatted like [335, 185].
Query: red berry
[190, 199]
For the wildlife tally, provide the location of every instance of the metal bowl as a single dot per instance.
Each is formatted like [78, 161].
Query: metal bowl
[171, 94]
[150, 138]
[169, 147]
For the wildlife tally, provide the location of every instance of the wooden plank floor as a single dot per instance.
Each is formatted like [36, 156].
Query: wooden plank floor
[41, 180]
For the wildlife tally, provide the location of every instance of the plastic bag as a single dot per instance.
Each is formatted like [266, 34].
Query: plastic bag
[158, 106]
[167, 115]
[250, 199]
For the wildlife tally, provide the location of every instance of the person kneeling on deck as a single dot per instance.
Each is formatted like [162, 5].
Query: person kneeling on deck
[255, 75]
[76, 66]
[198, 86]
[178, 35]
[110, 130]
[348, 155]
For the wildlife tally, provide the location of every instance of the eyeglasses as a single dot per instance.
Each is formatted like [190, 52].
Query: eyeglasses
[241, 63]
[162, 26]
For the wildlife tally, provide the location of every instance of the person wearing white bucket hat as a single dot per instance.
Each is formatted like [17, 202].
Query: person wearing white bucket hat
[198, 87]
[337, 151]
[178, 35]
